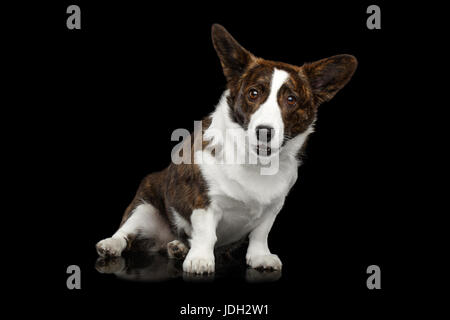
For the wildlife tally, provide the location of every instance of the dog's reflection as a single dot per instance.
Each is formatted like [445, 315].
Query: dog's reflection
[157, 267]
[141, 267]
[255, 276]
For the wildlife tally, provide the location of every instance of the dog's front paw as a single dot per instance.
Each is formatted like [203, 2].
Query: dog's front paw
[111, 247]
[265, 261]
[199, 263]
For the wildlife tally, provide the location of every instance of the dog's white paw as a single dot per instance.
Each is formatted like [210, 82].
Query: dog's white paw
[265, 261]
[111, 247]
[199, 263]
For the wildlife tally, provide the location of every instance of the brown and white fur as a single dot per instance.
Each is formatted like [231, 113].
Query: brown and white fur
[190, 209]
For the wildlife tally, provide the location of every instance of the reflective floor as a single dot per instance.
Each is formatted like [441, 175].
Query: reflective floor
[157, 267]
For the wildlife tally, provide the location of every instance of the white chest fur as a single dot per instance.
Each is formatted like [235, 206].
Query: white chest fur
[242, 195]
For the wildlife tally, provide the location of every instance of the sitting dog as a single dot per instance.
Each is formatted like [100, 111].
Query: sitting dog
[189, 209]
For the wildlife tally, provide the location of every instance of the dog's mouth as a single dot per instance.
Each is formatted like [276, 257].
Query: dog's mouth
[264, 151]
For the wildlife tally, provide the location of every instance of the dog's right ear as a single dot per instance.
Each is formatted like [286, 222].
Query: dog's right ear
[233, 57]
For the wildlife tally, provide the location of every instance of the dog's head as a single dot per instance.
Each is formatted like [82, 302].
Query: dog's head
[275, 101]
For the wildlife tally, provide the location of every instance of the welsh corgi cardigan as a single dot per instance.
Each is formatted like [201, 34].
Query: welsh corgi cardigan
[189, 209]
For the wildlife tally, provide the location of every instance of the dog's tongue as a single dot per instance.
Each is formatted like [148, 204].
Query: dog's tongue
[263, 150]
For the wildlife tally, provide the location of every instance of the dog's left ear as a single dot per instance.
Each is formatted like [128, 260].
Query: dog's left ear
[233, 57]
[328, 76]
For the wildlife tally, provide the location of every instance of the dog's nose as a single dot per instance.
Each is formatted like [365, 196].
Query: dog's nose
[263, 133]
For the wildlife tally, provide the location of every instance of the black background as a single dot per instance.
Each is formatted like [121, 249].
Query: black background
[113, 92]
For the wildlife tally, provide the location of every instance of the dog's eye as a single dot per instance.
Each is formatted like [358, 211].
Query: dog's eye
[291, 100]
[253, 94]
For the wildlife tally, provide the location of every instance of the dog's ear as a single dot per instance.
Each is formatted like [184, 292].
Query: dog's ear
[233, 57]
[328, 76]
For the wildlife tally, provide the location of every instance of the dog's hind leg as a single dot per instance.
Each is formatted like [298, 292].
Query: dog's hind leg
[145, 222]
[176, 249]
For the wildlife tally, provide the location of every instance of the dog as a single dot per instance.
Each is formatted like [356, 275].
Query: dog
[189, 209]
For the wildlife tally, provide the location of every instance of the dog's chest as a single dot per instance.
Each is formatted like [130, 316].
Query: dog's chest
[247, 183]
[238, 218]
[245, 196]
